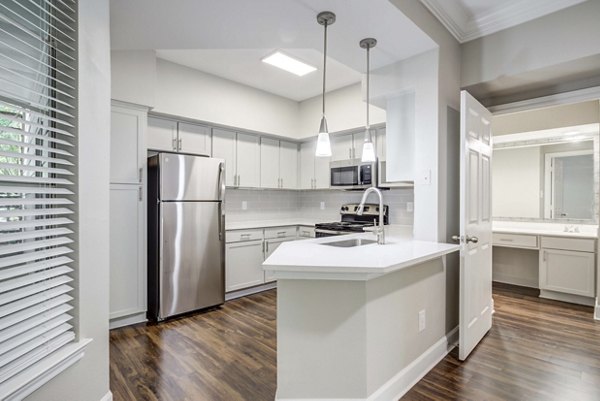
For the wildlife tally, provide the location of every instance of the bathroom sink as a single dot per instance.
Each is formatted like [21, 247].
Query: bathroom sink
[348, 243]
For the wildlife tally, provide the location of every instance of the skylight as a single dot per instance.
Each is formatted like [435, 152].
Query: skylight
[288, 64]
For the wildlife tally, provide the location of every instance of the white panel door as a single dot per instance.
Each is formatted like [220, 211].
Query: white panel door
[248, 161]
[357, 144]
[194, 138]
[224, 147]
[341, 147]
[571, 272]
[162, 134]
[127, 255]
[126, 137]
[269, 163]
[288, 164]
[476, 304]
[243, 266]
[307, 165]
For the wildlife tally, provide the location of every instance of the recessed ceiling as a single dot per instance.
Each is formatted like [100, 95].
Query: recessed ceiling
[228, 38]
[471, 19]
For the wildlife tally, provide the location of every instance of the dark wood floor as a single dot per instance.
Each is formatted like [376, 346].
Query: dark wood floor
[536, 350]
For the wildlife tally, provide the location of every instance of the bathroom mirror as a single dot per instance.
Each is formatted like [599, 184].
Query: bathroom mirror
[547, 175]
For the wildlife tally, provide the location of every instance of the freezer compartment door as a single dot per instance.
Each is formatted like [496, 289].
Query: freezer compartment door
[191, 178]
[192, 269]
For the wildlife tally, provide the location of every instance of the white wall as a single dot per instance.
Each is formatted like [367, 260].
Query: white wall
[516, 182]
[185, 92]
[556, 38]
[88, 379]
[133, 76]
[344, 108]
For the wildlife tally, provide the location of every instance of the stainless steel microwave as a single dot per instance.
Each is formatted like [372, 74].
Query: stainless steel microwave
[352, 174]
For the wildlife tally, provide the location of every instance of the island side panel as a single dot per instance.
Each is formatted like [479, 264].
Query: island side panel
[321, 339]
[393, 337]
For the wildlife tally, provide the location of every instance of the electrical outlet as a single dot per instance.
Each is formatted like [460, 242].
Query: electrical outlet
[422, 320]
[322, 205]
[244, 205]
[410, 207]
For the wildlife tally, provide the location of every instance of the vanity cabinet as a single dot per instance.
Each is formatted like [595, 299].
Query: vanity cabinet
[568, 266]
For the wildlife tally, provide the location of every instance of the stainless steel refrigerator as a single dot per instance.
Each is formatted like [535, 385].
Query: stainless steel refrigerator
[186, 234]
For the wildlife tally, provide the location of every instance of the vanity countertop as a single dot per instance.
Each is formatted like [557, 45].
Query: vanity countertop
[548, 229]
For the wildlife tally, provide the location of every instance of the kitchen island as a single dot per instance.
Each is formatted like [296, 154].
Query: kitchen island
[361, 321]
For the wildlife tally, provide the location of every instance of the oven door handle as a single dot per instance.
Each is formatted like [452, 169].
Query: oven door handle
[329, 232]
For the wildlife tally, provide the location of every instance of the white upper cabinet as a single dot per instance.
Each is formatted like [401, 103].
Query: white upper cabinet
[126, 153]
[194, 138]
[278, 164]
[224, 147]
[269, 163]
[162, 134]
[314, 171]
[381, 143]
[342, 147]
[248, 161]
[358, 140]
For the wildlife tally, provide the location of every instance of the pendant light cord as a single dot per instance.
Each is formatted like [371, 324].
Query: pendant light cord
[324, 64]
[368, 69]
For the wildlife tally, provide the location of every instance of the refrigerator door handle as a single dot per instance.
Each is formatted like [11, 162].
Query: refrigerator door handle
[222, 199]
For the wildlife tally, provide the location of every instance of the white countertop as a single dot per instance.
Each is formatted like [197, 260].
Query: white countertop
[549, 229]
[310, 259]
[246, 225]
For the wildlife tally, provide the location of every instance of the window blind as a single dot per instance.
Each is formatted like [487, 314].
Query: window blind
[38, 170]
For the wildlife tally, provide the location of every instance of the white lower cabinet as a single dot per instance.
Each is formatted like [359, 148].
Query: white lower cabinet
[566, 271]
[243, 266]
[127, 252]
[270, 246]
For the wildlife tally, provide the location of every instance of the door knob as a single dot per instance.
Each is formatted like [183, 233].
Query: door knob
[472, 239]
[456, 238]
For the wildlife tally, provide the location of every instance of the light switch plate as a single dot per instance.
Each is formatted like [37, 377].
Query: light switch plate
[322, 205]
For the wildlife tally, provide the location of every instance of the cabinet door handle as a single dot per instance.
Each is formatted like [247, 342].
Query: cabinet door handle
[174, 144]
[350, 153]
[179, 143]
[140, 194]
[544, 256]
[239, 180]
[140, 172]
[267, 246]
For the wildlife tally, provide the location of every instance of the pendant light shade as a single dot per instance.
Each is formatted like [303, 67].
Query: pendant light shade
[368, 153]
[323, 144]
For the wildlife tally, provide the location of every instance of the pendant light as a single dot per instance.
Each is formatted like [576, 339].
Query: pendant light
[324, 18]
[368, 152]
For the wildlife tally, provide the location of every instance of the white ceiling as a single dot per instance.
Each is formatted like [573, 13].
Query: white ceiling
[228, 38]
[471, 19]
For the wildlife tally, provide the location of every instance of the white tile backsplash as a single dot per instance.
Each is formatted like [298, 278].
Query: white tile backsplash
[314, 205]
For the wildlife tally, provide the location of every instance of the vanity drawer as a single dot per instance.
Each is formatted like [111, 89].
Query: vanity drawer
[243, 235]
[515, 240]
[280, 232]
[569, 244]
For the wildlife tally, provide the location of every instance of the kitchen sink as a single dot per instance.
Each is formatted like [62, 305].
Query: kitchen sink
[348, 243]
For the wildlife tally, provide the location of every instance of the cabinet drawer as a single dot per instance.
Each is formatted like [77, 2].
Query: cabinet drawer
[243, 235]
[515, 240]
[571, 244]
[306, 232]
[280, 232]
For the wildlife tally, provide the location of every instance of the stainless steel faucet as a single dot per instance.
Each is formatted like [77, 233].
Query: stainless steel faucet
[378, 230]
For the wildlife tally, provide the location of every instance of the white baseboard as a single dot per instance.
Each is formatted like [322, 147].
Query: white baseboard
[107, 397]
[127, 320]
[515, 280]
[249, 291]
[570, 298]
[404, 380]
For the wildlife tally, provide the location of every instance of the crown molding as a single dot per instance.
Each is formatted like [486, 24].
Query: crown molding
[512, 14]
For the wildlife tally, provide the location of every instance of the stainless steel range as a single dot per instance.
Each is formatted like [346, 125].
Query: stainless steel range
[351, 222]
